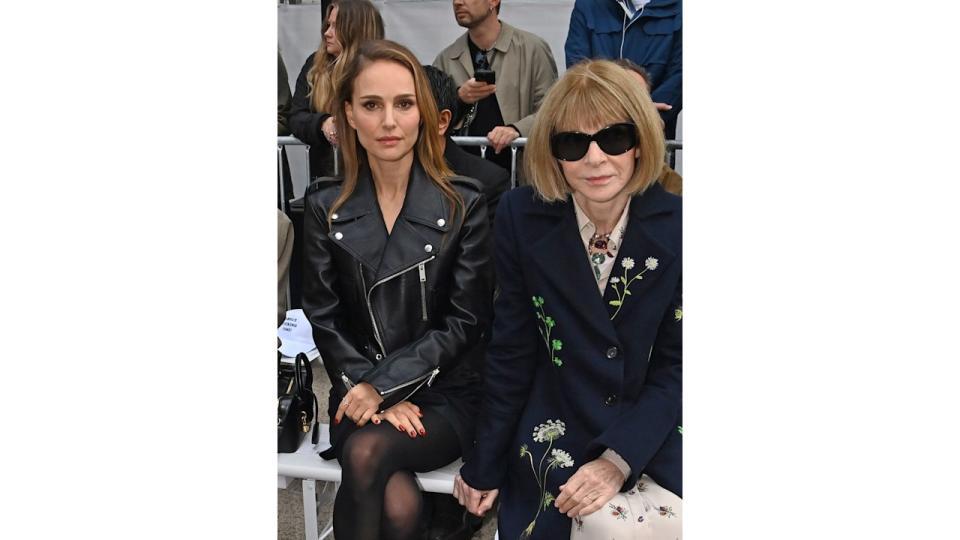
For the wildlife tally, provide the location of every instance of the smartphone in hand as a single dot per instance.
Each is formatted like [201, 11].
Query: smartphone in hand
[485, 75]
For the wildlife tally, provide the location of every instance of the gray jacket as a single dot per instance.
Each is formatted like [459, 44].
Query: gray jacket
[525, 71]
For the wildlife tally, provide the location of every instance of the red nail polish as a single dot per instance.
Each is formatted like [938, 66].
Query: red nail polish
[375, 421]
[412, 434]
[423, 431]
[401, 428]
[336, 422]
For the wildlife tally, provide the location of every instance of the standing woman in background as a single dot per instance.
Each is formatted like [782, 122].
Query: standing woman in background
[348, 23]
[398, 291]
[580, 435]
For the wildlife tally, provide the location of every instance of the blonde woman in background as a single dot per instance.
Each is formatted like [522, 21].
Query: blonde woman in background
[348, 24]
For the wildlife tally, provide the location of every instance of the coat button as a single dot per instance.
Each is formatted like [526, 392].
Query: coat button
[612, 352]
[441, 222]
[428, 248]
[338, 235]
[335, 216]
[611, 399]
[378, 356]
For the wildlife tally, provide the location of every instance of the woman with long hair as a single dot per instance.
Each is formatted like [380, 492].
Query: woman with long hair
[347, 24]
[398, 291]
[580, 434]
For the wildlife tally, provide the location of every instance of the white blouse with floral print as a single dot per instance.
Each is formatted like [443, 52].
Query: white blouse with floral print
[602, 266]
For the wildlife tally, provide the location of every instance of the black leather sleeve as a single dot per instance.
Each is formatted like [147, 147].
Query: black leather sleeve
[322, 302]
[466, 318]
[304, 122]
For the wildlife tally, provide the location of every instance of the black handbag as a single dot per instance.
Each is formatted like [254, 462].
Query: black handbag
[297, 405]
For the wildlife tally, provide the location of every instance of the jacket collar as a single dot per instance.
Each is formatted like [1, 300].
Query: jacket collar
[416, 234]
[461, 49]
[655, 200]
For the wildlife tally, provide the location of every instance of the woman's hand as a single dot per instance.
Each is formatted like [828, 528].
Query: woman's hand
[404, 416]
[591, 487]
[476, 502]
[359, 405]
[329, 128]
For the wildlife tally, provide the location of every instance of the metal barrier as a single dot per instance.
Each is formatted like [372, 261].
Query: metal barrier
[671, 149]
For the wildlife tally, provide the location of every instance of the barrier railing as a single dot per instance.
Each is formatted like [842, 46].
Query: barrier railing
[482, 142]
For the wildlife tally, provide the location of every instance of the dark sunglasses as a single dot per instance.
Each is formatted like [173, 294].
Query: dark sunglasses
[613, 140]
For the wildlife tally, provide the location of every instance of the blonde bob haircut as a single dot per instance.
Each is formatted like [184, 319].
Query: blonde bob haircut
[428, 149]
[591, 95]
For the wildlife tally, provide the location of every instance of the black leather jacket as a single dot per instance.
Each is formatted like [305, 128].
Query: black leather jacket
[404, 311]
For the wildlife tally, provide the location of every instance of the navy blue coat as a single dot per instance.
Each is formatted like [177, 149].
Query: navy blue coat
[601, 383]
[599, 28]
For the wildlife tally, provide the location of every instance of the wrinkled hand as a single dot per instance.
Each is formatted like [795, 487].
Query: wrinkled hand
[473, 91]
[662, 106]
[404, 416]
[359, 405]
[501, 136]
[591, 487]
[476, 502]
[329, 128]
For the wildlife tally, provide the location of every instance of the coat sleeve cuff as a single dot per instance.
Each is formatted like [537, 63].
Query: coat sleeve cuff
[610, 455]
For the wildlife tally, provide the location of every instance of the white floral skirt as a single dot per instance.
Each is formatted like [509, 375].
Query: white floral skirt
[646, 512]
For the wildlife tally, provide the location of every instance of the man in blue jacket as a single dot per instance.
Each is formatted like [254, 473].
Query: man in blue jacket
[648, 32]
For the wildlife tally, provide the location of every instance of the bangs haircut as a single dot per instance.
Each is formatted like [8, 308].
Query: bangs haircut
[591, 95]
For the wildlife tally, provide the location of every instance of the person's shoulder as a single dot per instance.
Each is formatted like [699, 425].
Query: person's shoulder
[323, 191]
[529, 38]
[453, 49]
[525, 199]
[469, 188]
[308, 63]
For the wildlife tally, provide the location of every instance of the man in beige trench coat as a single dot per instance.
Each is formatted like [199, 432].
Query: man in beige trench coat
[524, 67]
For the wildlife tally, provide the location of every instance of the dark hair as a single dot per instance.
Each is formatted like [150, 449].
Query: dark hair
[445, 94]
[626, 63]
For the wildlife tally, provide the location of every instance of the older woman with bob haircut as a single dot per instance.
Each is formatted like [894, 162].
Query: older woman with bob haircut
[347, 24]
[398, 291]
[580, 433]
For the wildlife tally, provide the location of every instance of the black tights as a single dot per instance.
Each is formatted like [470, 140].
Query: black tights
[378, 496]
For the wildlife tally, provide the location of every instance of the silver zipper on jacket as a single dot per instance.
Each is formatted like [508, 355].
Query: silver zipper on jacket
[376, 332]
[426, 379]
[373, 320]
[349, 384]
[423, 290]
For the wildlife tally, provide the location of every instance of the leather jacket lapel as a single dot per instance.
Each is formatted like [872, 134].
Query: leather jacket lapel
[359, 225]
[418, 232]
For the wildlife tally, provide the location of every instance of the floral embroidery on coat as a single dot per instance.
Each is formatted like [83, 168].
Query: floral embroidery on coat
[628, 263]
[559, 459]
[545, 326]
